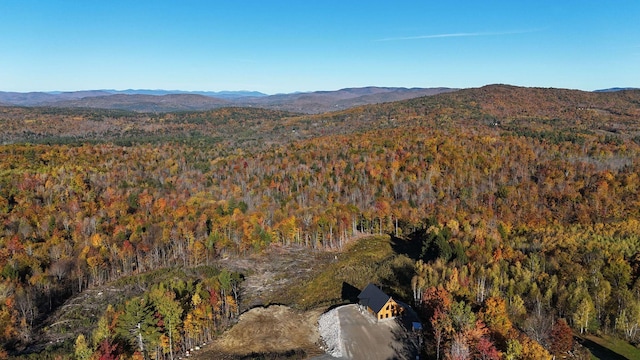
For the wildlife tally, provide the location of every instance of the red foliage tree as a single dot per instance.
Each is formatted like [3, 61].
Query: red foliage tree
[561, 340]
[108, 350]
[486, 349]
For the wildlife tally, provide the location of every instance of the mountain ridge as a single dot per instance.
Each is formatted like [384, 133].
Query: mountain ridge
[614, 89]
[169, 100]
[217, 94]
[498, 106]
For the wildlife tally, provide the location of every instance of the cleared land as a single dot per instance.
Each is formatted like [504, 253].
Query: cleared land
[273, 332]
[279, 332]
[310, 282]
[270, 276]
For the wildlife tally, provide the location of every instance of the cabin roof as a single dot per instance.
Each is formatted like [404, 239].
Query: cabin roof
[373, 297]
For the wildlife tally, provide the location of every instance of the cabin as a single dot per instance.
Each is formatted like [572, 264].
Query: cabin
[379, 304]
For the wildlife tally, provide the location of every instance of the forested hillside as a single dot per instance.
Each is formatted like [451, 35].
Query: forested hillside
[524, 202]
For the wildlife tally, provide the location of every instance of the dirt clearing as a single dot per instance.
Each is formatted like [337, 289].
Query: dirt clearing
[270, 276]
[276, 329]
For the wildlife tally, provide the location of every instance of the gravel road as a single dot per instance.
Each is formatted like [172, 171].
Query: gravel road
[354, 334]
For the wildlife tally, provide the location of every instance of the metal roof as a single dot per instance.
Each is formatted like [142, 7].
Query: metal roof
[373, 298]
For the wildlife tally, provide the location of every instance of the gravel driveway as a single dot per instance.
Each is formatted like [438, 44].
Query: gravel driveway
[363, 337]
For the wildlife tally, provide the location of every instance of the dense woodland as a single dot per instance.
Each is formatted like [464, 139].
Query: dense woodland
[525, 203]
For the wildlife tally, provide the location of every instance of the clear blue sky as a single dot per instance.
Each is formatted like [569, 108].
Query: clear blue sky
[305, 45]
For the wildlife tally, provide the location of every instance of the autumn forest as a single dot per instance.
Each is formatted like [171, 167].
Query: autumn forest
[521, 205]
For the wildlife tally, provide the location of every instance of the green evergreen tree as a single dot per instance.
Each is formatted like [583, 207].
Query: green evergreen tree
[137, 325]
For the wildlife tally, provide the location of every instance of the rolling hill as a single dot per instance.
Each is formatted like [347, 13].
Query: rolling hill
[167, 101]
[146, 103]
[502, 106]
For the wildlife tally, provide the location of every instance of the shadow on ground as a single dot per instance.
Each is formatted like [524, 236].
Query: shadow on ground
[600, 351]
[407, 342]
[349, 293]
[410, 247]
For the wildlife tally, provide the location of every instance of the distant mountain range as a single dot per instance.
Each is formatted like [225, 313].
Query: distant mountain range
[176, 100]
[217, 94]
[47, 98]
[614, 89]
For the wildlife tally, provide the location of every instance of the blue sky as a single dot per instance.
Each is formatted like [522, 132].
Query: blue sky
[287, 46]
